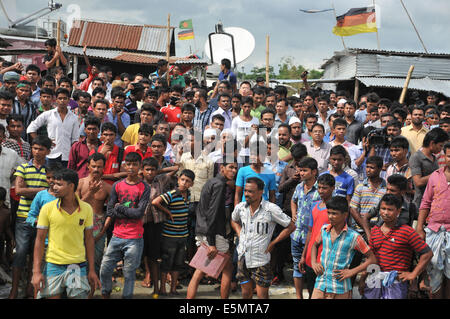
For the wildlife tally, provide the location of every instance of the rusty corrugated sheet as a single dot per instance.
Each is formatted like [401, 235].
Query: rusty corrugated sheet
[75, 32]
[136, 58]
[146, 38]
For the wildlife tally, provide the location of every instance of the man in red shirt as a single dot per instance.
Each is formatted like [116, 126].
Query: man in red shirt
[114, 155]
[144, 136]
[79, 152]
[393, 246]
[128, 201]
[325, 188]
[172, 112]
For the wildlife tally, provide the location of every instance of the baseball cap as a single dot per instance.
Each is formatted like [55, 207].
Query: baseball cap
[11, 76]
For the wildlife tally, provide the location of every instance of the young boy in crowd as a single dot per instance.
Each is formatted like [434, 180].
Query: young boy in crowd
[68, 221]
[142, 147]
[175, 229]
[154, 220]
[325, 188]
[397, 185]
[30, 180]
[345, 184]
[399, 149]
[301, 205]
[393, 246]
[339, 246]
[44, 196]
[127, 203]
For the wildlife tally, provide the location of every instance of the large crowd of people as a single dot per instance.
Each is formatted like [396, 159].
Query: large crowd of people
[131, 171]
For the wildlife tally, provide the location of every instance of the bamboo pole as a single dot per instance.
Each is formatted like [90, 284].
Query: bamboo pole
[356, 93]
[168, 49]
[58, 37]
[267, 60]
[405, 87]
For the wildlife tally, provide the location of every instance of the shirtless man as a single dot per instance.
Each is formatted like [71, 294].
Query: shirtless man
[95, 191]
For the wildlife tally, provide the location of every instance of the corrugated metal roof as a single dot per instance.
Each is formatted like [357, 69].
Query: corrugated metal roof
[145, 38]
[130, 57]
[424, 84]
[406, 53]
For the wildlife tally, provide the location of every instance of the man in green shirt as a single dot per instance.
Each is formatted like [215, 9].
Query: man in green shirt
[176, 78]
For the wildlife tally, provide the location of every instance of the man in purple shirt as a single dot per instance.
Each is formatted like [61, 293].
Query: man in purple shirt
[435, 211]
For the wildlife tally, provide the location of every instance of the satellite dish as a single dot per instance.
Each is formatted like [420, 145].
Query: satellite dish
[222, 45]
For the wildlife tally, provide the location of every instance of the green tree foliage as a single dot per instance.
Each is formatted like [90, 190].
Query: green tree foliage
[287, 70]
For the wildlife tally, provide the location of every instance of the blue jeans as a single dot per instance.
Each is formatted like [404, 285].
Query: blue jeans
[25, 236]
[99, 249]
[296, 250]
[131, 252]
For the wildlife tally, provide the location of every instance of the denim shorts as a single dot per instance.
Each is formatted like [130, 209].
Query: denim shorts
[296, 250]
[25, 237]
[69, 278]
[173, 254]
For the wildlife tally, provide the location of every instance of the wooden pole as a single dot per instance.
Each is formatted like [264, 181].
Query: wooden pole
[356, 94]
[405, 87]
[58, 37]
[168, 49]
[267, 61]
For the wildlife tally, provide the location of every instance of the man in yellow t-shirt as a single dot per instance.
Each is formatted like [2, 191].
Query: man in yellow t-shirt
[131, 134]
[69, 261]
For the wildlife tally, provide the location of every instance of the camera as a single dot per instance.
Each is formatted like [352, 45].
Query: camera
[260, 126]
[377, 138]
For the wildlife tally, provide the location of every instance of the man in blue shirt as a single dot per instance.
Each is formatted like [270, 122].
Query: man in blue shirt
[345, 183]
[118, 116]
[256, 169]
[161, 70]
[227, 74]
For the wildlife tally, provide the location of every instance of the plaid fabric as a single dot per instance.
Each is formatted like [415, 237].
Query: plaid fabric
[304, 209]
[338, 255]
[262, 275]
[23, 149]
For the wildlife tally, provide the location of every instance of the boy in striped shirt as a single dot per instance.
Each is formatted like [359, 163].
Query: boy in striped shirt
[394, 245]
[339, 246]
[30, 180]
[175, 230]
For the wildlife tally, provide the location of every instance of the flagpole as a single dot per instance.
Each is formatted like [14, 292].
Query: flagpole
[335, 18]
[376, 20]
[417, 32]
[168, 49]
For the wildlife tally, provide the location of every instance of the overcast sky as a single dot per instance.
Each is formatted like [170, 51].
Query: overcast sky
[305, 37]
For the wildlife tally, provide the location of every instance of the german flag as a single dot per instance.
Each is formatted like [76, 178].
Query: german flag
[186, 34]
[356, 20]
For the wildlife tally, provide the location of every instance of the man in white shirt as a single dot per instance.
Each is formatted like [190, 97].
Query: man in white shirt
[254, 222]
[224, 102]
[62, 127]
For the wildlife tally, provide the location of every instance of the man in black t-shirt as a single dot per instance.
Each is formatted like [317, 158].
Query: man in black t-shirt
[54, 54]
